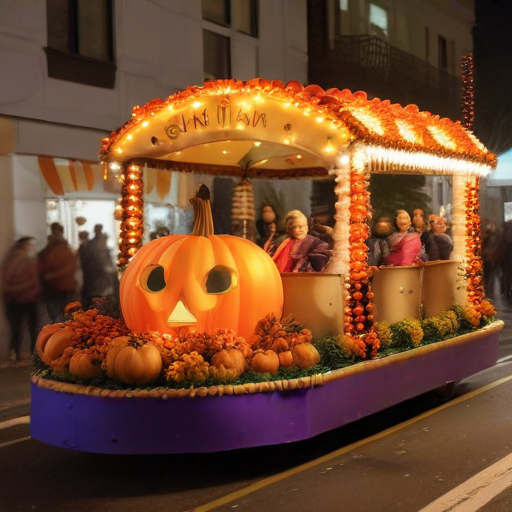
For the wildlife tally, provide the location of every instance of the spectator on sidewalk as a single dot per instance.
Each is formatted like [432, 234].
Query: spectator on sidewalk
[58, 267]
[98, 271]
[21, 292]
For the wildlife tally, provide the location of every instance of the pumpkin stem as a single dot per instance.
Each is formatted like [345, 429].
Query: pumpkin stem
[203, 220]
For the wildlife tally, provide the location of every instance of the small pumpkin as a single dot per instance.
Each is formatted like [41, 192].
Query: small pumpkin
[227, 364]
[132, 361]
[51, 342]
[82, 365]
[285, 358]
[305, 355]
[265, 361]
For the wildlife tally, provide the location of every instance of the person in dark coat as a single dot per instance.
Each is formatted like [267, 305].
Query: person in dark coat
[21, 292]
[99, 274]
[58, 269]
[443, 241]
[430, 250]
[378, 249]
[298, 251]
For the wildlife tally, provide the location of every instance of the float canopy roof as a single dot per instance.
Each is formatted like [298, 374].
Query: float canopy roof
[264, 128]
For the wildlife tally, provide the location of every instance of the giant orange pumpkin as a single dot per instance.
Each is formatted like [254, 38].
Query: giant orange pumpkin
[203, 281]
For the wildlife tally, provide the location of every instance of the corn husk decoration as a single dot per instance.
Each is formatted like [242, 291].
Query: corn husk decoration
[242, 211]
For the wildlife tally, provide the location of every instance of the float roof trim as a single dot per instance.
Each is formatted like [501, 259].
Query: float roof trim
[298, 130]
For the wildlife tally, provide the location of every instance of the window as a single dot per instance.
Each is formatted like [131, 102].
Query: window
[218, 11]
[80, 43]
[343, 5]
[219, 40]
[216, 55]
[442, 49]
[244, 14]
[246, 17]
[378, 21]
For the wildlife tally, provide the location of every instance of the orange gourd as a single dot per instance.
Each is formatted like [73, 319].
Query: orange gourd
[81, 365]
[227, 364]
[305, 355]
[285, 358]
[203, 281]
[51, 342]
[132, 361]
[265, 361]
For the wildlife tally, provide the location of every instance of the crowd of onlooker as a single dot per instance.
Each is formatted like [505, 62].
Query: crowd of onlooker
[37, 286]
[497, 259]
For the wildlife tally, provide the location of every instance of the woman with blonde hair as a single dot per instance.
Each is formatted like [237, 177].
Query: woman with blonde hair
[298, 251]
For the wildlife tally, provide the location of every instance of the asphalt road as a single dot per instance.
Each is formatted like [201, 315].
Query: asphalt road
[403, 459]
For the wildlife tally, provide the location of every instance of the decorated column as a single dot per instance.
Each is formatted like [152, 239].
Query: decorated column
[474, 272]
[132, 223]
[358, 311]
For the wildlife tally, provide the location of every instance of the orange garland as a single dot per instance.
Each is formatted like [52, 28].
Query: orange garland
[474, 274]
[132, 222]
[358, 312]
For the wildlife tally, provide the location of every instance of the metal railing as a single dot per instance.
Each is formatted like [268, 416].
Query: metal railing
[372, 64]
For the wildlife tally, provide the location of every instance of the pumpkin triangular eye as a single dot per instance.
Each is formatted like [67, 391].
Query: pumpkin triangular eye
[220, 280]
[152, 278]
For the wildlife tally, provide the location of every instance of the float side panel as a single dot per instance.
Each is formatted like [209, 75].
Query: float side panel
[188, 425]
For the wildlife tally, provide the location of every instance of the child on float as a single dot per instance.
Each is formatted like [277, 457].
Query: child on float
[298, 251]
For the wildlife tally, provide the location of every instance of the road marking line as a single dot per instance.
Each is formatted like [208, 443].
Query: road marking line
[20, 440]
[16, 403]
[474, 493]
[325, 458]
[22, 420]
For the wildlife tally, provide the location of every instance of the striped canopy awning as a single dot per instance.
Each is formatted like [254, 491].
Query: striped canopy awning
[66, 175]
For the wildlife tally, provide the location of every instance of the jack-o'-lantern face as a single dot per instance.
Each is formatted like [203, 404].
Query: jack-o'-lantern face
[206, 283]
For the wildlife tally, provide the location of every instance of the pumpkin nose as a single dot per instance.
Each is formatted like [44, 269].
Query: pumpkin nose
[181, 316]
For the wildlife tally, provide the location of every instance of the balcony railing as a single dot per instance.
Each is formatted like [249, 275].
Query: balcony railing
[372, 64]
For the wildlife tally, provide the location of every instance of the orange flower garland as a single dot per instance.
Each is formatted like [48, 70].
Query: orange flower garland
[474, 274]
[359, 302]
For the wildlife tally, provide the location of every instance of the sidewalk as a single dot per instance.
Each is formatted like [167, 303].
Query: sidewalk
[14, 392]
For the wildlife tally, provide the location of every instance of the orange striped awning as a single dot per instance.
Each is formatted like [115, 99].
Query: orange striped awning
[66, 175]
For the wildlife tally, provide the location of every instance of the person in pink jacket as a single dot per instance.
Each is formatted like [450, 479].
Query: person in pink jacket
[21, 292]
[405, 243]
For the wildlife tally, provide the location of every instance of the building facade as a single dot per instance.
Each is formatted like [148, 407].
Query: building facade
[71, 72]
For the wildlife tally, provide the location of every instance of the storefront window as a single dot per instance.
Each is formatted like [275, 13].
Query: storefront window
[77, 215]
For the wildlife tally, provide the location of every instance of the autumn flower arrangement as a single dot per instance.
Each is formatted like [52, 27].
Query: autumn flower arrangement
[95, 346]
[91, 346]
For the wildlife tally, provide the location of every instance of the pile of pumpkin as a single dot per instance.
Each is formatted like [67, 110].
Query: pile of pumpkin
[90, 346]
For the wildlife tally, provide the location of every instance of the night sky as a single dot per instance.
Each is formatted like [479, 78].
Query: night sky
[493, 73]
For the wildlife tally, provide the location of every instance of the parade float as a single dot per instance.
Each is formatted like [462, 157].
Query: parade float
[214, 349]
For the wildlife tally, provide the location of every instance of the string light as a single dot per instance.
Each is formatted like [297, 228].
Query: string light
[132, 223]
[468, 93]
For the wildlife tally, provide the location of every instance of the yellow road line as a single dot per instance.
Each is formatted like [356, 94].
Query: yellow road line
[22, 420]
[15, 441]
[325, 458]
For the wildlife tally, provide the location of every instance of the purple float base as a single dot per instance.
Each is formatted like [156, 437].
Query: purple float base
[187, 425]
